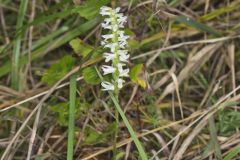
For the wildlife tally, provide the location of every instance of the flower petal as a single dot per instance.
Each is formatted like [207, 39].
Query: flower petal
[105, 11]
[109, 56]
[108, 69]
[107, 86]
[120, 83]
[122, 72]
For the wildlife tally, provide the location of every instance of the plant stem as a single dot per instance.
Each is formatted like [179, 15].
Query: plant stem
[115, 135]
[73, 89]
[138, 144]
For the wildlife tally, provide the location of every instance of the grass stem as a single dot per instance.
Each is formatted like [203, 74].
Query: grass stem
[73, 90]
[17, 45]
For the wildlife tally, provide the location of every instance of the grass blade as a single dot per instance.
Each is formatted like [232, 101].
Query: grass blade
[213, 134]
[199, 26]
[73, 90]
[17, 45]
[138, 144]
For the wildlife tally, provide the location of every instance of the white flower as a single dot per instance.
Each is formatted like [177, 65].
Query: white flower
[107, 36]
[103, 43]
[105, 11]
[107, 23]
[109, 56]
[122, 72]
[120, 83]
[123, 56]
[108, 69]
[117, 10]
[122, 44]
[112, 46]
[121, 20]
[122, 35]
[106, 26]
[107, 86]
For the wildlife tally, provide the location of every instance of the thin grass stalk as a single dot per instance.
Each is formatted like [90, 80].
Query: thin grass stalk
[138, 144]
[71, 118]
[115, 135]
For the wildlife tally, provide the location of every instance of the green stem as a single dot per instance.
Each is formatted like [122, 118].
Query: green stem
[73, 90]
[138, 144]
[115, 135]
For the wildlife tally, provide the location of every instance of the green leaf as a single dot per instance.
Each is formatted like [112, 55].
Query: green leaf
[199, 26]
[80, 47]
[58, 70]
[90, 75]
[61, 111]
[94, 137]
[91, 8]
[135, 75]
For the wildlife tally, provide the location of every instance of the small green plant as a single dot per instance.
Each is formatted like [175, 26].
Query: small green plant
[228, 121]
[58, 70]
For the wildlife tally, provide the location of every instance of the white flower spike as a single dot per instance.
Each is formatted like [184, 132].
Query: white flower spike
[115, 42]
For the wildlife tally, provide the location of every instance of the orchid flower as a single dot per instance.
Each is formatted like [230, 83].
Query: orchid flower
[115, 42]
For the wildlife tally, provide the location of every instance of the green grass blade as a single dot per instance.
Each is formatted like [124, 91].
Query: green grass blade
[232, 154]
[213, 134]
[220, 11]
[199, 26]
[138, 144]
[73, 90]
[17, 45]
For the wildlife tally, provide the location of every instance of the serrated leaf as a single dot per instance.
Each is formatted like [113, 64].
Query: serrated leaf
[91, 8]
[135, 75]
[90, 75]
[80, 47]
[58, 70]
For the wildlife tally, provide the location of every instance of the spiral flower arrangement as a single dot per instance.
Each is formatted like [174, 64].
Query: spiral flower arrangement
[116, 43]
